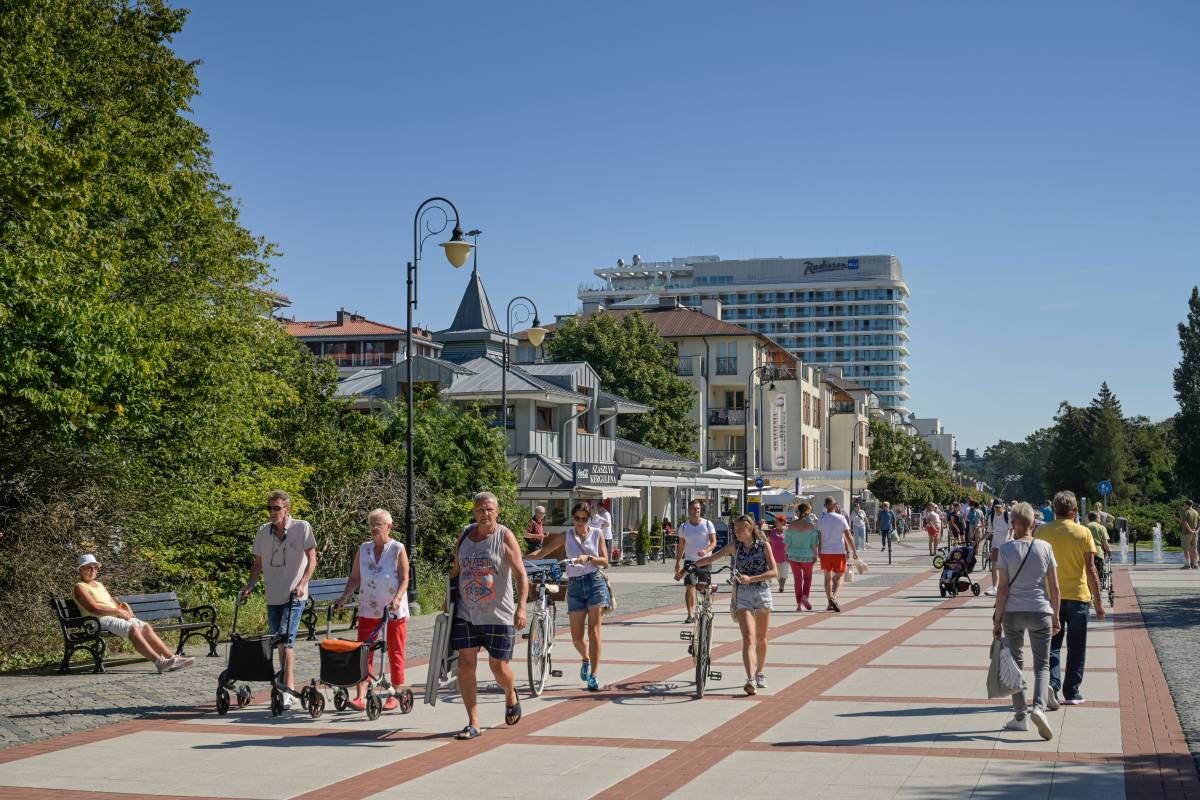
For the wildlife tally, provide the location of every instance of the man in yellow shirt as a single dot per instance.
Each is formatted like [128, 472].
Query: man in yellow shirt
[1189, 525]
[1074, 551]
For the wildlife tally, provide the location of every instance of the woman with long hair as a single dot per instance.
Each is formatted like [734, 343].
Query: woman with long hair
[801, 541]
[756, 567]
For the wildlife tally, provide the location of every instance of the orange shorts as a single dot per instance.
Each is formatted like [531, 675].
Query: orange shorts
[833, 562]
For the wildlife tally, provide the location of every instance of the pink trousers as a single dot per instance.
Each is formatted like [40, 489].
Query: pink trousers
[802, 578]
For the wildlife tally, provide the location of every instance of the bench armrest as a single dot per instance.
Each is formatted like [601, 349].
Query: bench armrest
[80, 629]
[204, 613]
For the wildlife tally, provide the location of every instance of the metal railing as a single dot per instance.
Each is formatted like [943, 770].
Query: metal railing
[726, 459]
[727, 416]
[727, 366]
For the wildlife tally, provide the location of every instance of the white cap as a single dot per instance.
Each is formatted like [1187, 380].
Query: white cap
[86, 559]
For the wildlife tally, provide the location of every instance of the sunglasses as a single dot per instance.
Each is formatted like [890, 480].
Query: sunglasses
[276, 508]
[579, 518]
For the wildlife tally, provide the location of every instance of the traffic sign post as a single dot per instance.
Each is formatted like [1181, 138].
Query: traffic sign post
[1105, 488]
[758, 482]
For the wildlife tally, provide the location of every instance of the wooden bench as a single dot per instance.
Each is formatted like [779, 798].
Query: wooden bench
[324, 593]
[81, 631]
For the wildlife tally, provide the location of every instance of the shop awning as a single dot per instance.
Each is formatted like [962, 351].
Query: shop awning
[607, 492]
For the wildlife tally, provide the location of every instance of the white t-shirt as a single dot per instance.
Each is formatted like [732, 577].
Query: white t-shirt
[832, 525]
[1001, 531]
[695, 538]
[603, 520]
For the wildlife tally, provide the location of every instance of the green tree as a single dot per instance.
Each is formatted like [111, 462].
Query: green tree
[1066, 464]
[1150, 478]
[633, 361]
[896, 451]
[1187, 394]
[1108, 448]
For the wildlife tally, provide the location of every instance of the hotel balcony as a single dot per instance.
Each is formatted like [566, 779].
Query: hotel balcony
[726, 459]
[727, 416]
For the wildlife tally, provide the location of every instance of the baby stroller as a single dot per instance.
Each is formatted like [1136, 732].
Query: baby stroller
[956, 572]
[252, 658]
[344, 665]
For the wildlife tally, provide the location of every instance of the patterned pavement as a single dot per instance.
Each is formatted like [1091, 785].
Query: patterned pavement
[883, 700]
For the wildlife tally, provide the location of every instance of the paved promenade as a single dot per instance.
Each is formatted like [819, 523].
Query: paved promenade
[884, 700]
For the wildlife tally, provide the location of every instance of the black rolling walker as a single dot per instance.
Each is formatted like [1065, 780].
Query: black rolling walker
[252, 659]
[344, 665]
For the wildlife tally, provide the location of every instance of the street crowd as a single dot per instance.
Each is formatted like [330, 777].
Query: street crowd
[1046, 566]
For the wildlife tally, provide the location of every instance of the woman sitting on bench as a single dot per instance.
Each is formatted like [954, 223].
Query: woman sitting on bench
[117, 619]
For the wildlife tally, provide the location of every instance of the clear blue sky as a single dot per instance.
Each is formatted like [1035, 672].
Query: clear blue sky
[1034, 165]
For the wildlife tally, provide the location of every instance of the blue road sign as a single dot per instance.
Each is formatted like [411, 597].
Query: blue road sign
[1104, 487]
[758, 483]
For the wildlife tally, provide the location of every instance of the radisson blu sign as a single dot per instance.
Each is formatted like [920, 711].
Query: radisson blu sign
[830, 265]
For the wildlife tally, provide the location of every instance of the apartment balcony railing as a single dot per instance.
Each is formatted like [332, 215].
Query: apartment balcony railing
[727, 416]
[727, 366]
[363, 359]
[726, 459]
[685, 367]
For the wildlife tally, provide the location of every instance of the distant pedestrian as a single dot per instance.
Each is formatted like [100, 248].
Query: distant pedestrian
[858, 525]
[602, 519]
[833, 546]
[933, 527]
[755, 564]
[486, 615]
[535, 534]
[1189, 527]
[285, 554]
[1028, 602]
[974, 524]
[885, 523]
[779, 547]
[1001, 527]
[803, 541]
[1074, 552]
[956, 533]
[1047, 513]
[698, 538]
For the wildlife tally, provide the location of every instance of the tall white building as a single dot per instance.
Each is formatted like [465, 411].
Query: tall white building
[848, 312]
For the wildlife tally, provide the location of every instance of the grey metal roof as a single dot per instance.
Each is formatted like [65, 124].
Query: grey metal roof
[364, 383]
[484, 378]
[553, 367]
[623, 404]
[475, 310]
[628, 452]
[440, 362]
[538, 472]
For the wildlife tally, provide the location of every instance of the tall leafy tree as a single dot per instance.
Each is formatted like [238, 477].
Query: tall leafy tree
[1108, 447]
[1187, 394]
[897, 452]
[1066, 465]
[634, 361]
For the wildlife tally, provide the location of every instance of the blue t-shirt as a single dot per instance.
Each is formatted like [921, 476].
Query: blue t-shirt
[887, 519]
[1047, 514]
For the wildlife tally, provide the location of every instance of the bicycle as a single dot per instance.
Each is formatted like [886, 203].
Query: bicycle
[985, 558]
[1106, 581]
[701, 636]
[542, 624]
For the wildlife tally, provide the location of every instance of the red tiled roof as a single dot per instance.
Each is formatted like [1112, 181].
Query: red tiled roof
[360, 327]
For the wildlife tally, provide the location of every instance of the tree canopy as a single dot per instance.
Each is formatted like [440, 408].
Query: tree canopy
[634, 361]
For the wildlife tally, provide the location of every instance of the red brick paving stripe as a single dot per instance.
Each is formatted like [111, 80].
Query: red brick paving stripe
[1158, 763]
[20, 751]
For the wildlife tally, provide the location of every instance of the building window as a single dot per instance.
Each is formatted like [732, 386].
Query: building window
[581, 422]
[803, 452]
[544, 420]
[735, 400]
[727, 358]
[807, 411]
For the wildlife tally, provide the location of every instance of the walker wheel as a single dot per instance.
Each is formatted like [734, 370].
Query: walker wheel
[222, 701]
[317, 705]
[304, 697]
[406, 701]
[244, 695]
[341, 699]
[223, 679]
[374, 706]
[276, 703]
[975, 589]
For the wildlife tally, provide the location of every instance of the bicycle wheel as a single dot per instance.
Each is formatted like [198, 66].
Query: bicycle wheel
[536, 658]
[704, 630]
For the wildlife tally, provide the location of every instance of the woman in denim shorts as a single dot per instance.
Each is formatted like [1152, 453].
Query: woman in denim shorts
[756, 567]
[587, 591]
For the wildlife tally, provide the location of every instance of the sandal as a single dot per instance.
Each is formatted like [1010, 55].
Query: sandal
[512, 714]
[356, 704]
[469, 732]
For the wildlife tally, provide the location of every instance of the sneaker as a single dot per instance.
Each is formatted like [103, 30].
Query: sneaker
[689, 620]
[1073, 701]
[749, 688]
[165, 664]
[585, 670]
[593, 684]
[1017, 723]
[990, 592]
[807, 605]
[833, 606]
[760, 681]
[181, 662]
[1052, 700]
[287, 702]
[1041, 723]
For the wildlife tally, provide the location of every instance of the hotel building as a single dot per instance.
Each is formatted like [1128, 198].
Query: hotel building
[846, 312]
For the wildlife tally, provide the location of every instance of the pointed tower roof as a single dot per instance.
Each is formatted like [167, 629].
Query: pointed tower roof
[475, 311]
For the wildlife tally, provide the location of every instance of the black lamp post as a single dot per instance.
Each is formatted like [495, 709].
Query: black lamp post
[853, 453]
[768, 371]
[537, 334]
[433, 216]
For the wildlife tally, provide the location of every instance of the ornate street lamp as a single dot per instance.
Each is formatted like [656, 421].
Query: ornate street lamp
[537, 334]
[433, 216]
[768, 371]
